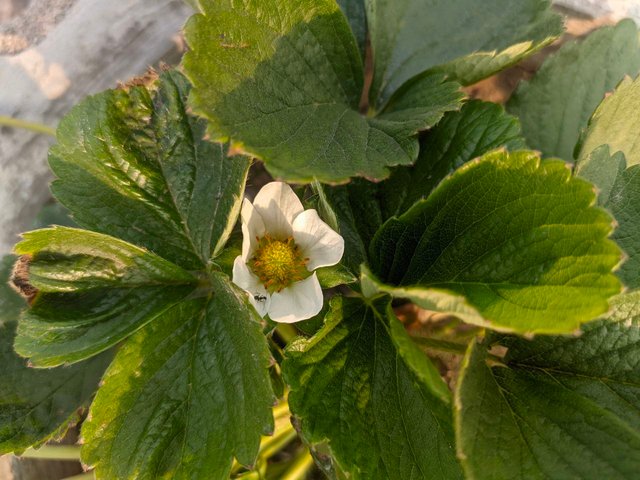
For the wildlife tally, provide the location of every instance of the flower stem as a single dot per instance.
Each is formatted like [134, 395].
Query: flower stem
[300, 468]
[281, 410]
[54, 452]
[32, 126]
[276, 443]
[283, 435]
[287, 332]
[82, 476]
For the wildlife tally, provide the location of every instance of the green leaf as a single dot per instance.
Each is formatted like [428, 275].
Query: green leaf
[476, 129]
[356, 15]
[615, 123]
[603, 170]
[467, 39]
[556, 104]
[36, 405]
[185, 394]
[283, 81]
[433, 299]
[517, 236]
[93, 292]
[619, 192]
[363, 386]
[133, 164]
[335, 275]
[355, 212]
[609, 156]
[53, 214]
[560, 407]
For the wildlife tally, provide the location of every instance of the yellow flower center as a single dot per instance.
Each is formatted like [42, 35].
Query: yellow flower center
[278, 263]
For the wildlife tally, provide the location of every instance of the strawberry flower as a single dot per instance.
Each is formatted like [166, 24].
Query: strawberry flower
[282, 246]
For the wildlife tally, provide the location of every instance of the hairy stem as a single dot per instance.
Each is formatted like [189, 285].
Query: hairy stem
[25, 125]
[283, 435]
[276, 443]
[54, 452]
[300, 468]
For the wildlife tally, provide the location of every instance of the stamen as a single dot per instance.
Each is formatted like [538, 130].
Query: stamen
[278, 263]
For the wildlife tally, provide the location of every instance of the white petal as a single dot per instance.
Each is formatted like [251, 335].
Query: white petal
[252, 227]
[319, 243]
[278, 205]
[245, 279]
[300, 301]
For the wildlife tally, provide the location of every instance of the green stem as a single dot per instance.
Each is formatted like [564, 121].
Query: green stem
[287, 332]
[54, 452]
[271, 445]
[441, 345]
[82, 476]
[250, 476]
[453, 347]
[277, 442]
[281, 410]
[300, 468]
[32, 126]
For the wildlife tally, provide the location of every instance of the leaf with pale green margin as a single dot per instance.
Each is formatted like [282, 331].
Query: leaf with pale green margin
[467, 39]
[556, 104]
[476, 129]
[441, 301]
[283, 82]
[515, 235]
[362, 385]
[609, 155]
[618, 192]
[616, 122]
[185, 394]
[36, 405]
[356, 15]
[93, 292]
[133, 163]
[559, 407]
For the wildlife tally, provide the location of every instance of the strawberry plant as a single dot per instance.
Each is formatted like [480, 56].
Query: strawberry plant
[178, 312]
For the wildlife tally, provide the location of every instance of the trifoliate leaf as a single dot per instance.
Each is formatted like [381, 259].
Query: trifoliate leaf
[616, 123]
[559, 407]
[133, 163]
[36, 405]
[618, 192]
[476, 129]
[185, 394]
[92, 292]
[361, 385]
[517, 236]
[283, 81]
[556, 104]
[467, 39]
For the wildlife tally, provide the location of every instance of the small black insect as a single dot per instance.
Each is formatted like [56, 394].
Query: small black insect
[260, 298]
